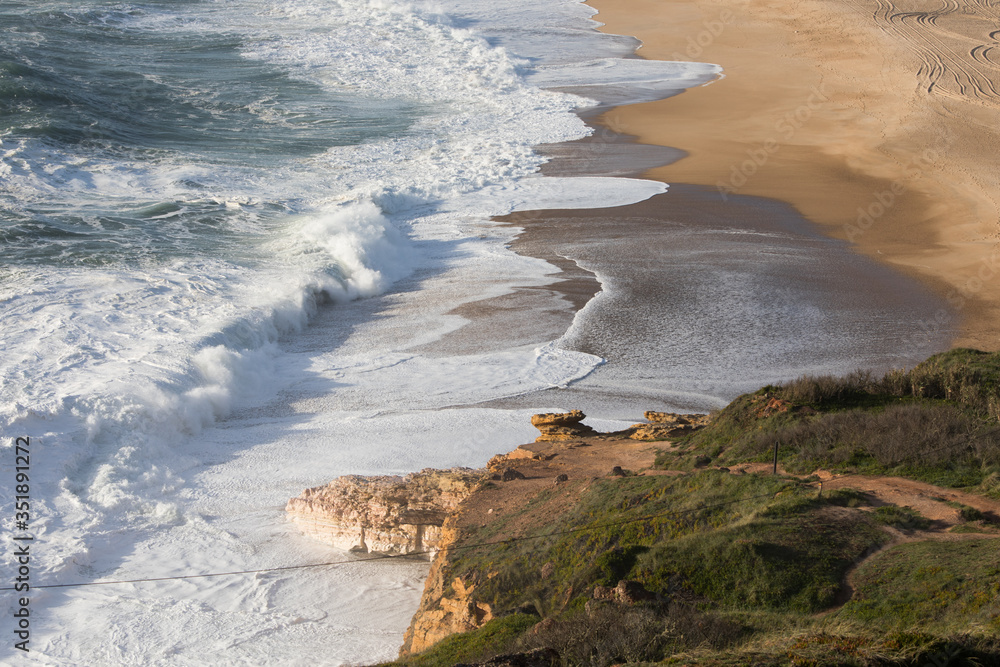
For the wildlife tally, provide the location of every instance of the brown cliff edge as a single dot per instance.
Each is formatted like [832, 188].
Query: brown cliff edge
[383, 514]
[423, 513]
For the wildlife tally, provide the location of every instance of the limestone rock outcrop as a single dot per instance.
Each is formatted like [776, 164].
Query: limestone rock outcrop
[561, 426]
[440, 615]
[521, 454]
[666, 425]
[626, 592]
[383, 514]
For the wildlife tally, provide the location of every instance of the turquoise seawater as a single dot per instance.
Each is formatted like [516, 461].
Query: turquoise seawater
[127, 128]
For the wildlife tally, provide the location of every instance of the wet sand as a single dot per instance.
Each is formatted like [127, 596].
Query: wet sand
[703, 300]
[879, 122]
[747, 271]
[693, 300]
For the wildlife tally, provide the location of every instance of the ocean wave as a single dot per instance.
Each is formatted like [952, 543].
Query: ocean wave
[169, 238]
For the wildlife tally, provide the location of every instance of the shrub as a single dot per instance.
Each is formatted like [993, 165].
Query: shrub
[902, 518]
[611, 634]
[967, 377]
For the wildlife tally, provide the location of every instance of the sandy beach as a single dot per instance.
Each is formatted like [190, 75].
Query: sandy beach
[880, 123]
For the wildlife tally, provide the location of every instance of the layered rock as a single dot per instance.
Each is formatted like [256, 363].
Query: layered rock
[674, 418]
[666, 425]
[561, 426]
[441, 615]
[383, 514]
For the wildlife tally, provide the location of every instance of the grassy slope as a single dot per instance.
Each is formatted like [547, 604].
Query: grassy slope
[938, 423]
[745, 565]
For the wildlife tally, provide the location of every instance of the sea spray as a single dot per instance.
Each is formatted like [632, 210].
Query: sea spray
[184, 189]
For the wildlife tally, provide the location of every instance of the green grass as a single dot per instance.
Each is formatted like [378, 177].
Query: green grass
[743, 565]
[741, 544]
[902, 518]
[794, 561]
[494, 638]
[965, 512]
[751, 576]
[937, 423]
[679, 531]
[930, 586]
[967, 528]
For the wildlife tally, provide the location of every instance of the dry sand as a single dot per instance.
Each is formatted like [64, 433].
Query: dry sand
[878, 120]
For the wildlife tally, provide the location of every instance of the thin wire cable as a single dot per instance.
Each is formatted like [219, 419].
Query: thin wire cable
[352, 561]
[460, 547]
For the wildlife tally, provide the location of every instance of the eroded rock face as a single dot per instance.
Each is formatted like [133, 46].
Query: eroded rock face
[561, 426]
[441, 615]
[626, 592]
[666, 425]
[383, 514]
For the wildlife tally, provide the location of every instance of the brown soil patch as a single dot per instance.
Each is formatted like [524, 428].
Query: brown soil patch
[586, 460]
[927, 499]
[583, 461]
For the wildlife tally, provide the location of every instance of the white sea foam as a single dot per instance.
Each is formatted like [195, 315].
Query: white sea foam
[175, 402]
[617, 82]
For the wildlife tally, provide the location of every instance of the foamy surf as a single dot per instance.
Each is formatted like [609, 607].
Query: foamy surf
[191, 334]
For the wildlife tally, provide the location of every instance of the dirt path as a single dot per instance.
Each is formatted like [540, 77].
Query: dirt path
[585, 460]
[581, 460]
[927, 499]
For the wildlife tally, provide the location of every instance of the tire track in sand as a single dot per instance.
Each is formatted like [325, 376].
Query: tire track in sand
[960, 61]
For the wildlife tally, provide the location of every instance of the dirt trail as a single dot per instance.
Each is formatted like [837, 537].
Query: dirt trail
[927, 499]
[590, 458]
[586, 459]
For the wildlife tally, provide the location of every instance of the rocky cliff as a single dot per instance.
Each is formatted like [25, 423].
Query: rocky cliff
[426, 512]
[444, 609]
[569, 455]
[383, 514]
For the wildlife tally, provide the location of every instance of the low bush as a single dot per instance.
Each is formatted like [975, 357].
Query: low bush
[612, 634]
[902, 518]
[937, 423]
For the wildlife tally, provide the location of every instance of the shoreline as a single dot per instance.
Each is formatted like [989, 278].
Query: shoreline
[573, 475]
[844, 129]
[813, 186]
[698, 296]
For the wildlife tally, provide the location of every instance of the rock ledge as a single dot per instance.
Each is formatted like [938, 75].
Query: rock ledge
[383, 514]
